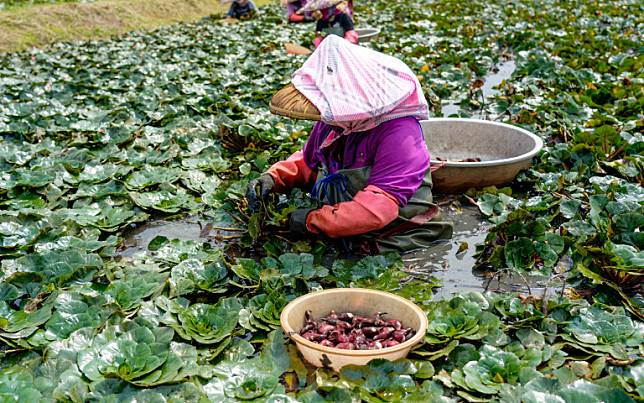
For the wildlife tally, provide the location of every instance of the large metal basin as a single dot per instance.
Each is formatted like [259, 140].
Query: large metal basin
[504, 150]
[367, 34]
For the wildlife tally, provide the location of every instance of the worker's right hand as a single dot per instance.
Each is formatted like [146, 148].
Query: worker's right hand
[258, 190]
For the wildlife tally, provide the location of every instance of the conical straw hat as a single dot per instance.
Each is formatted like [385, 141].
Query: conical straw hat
[291, 103]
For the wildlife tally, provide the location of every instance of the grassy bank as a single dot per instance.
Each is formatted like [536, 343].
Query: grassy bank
[24, 27]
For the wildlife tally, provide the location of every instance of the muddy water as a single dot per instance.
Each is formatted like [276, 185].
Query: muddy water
[505, 70]
[453, 262]
[492, 80]
[216, 232]
[138, 238]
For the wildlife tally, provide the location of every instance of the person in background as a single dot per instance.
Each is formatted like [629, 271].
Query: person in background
[242, 10]
[334, 17]
[366, 163]
[292, 6]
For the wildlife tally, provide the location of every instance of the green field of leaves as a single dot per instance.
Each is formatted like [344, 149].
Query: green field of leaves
[97, 137]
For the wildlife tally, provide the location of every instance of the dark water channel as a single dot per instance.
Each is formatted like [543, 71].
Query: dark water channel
[451, 262]
[137, 239]
[503, 72]
[215, 232]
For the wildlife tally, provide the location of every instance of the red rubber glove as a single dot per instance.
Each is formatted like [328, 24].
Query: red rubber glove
[295, 18]
[351, 36]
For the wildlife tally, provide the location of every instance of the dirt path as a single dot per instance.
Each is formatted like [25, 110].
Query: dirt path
[21, 28]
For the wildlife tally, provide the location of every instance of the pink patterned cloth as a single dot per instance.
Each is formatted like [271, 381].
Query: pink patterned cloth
[356, 88]
[319, 5]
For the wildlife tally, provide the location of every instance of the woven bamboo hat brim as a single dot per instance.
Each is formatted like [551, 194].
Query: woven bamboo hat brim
[291, 103]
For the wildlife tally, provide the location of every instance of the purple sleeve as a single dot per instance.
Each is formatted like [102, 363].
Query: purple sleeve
[401, 158]
[291, 8]
[311, 157]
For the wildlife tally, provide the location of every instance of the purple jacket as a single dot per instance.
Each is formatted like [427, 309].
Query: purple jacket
[292, 8]
[395, 150]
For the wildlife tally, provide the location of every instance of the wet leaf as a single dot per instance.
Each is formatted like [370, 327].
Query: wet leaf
[97, 136]
[209, 324]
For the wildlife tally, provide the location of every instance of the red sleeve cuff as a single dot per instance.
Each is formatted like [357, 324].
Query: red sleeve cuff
[371, 209]
[293, 172]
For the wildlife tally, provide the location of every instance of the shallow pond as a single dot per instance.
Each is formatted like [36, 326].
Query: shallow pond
[502, 72]
[215, 231]
[138, 238]
[451, 262]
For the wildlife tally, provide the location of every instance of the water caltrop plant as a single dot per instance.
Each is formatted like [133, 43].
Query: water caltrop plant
[99, 137]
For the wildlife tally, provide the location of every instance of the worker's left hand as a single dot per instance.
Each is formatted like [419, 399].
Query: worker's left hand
[258, 190]
[297, 223]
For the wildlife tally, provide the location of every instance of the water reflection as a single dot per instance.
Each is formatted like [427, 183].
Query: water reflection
[490, 81]
[452, 262]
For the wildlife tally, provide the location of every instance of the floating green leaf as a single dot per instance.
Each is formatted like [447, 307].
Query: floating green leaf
[209, 324]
